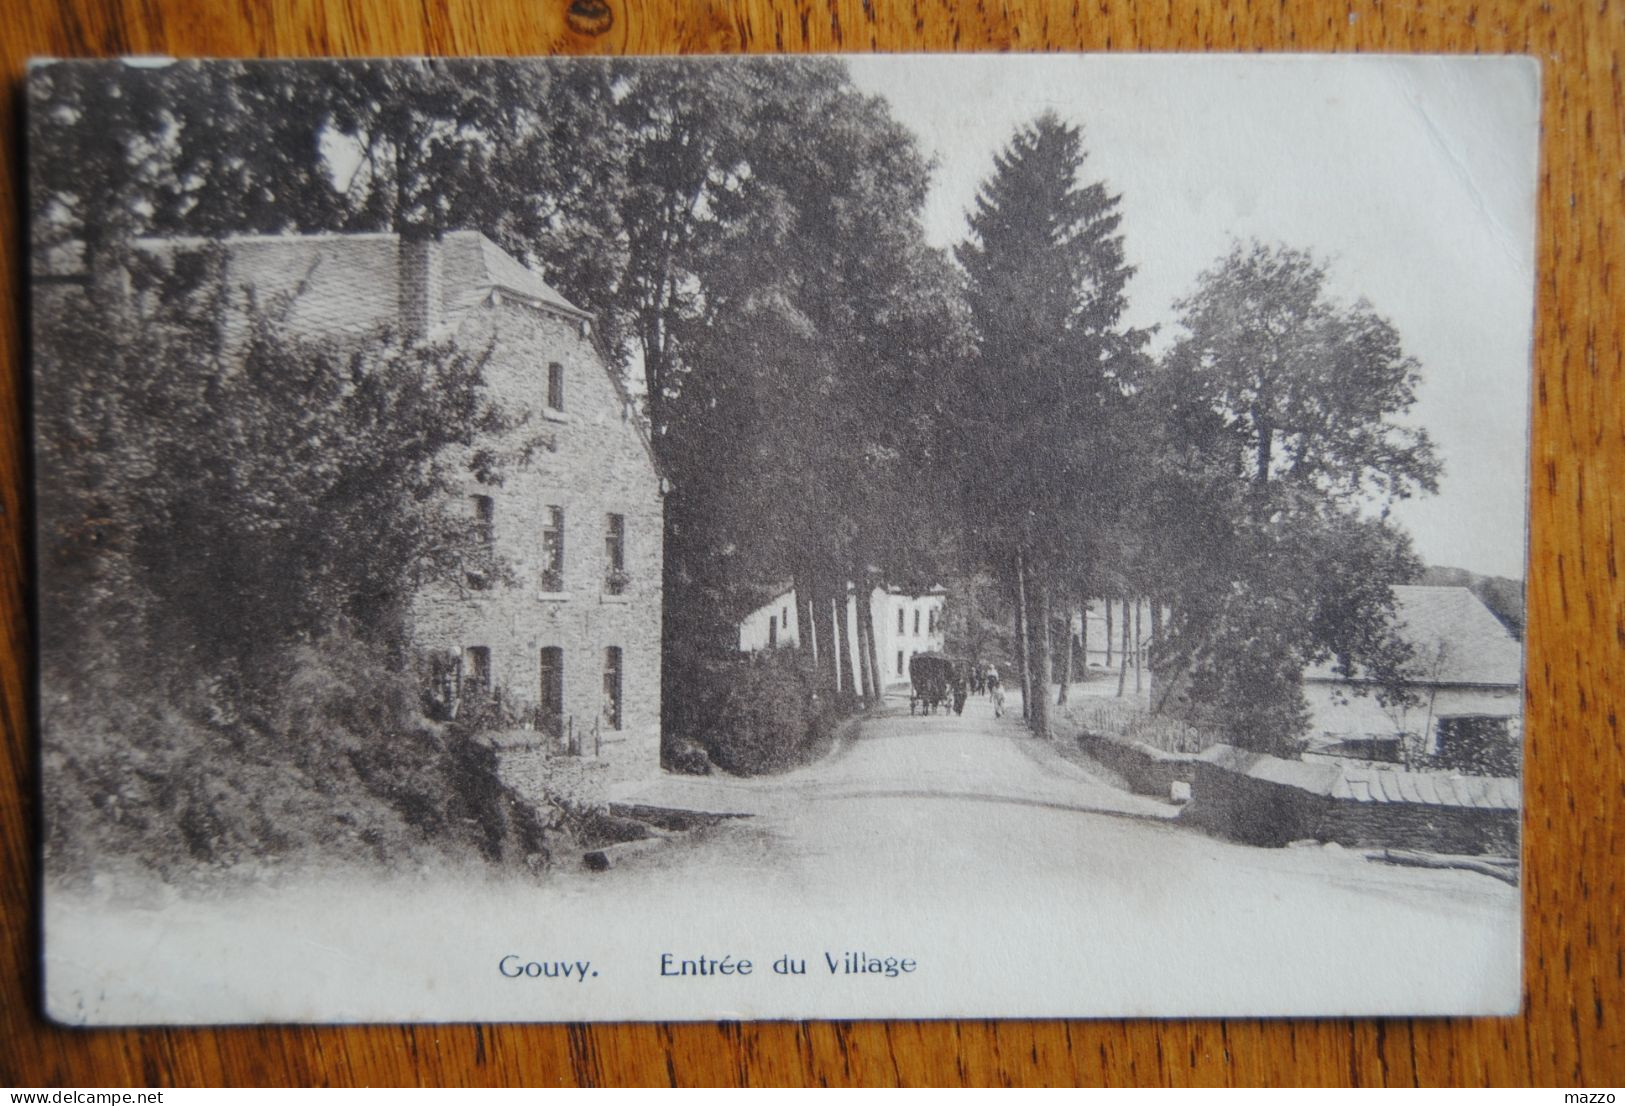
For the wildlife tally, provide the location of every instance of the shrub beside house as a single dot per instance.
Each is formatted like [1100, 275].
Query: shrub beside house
[562, 636]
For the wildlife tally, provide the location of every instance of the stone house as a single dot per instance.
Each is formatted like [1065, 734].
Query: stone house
[1467, 677]
[569, 635]
[905, 623]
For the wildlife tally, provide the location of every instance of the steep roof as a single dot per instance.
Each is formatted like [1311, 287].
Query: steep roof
[1456, 638]
[350, 283]
[475, 265]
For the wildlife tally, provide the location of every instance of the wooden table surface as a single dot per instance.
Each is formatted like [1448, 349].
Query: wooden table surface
[1570, 1033]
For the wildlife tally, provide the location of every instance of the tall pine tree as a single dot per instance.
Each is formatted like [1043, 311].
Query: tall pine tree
[1039, 401]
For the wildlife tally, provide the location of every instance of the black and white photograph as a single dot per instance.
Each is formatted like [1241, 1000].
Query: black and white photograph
[885, 536]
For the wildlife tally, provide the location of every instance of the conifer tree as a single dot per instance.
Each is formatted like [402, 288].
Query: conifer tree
[1038, 402]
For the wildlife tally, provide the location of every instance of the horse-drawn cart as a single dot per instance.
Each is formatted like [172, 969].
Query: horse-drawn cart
[937, 680]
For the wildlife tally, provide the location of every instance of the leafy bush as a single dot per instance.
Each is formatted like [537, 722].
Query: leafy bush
[1130, 722]
[1478, 745]
[235, 520]
[345, 771]
[772, 716]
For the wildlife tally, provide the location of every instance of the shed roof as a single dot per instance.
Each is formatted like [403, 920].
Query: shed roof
[1369, 785]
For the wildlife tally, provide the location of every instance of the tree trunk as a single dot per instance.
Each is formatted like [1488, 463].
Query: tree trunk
[843, 628]
[1107, 602]
[866, 677]
[829, 646]
[1021, 639]
[1066, 669]
[802, 586]
[1083, 637]
[1122, 673]
[1046, 662]
[806, 614]
[1139, 646]
[1172, 677]
[1265, 446]
[866, 622]
[1128, 628]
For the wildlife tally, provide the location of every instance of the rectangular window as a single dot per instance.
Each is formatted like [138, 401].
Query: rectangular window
[485, 514]
[612, 687]
[446, 676]
[900, 616]
[553, 550]
[477, 670]
[916, 622]
[772, 631]
[550, 712]
[484, 531]
[899, 662]
[615, 578]
[555, 386]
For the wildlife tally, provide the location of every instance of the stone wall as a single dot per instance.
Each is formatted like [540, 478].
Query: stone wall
[1267, 801]
[1147, 770]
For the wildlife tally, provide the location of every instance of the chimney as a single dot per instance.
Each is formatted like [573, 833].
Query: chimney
[422, 286]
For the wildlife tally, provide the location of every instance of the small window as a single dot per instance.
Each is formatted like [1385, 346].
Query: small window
[484, 534]
[446, 678]
[550, 712]
[899, 655]
[477, 670]
[900, 616]
[555, 386]
[612, 687]
[553, 550]
[916, 622]
[615, 578]
[772, 631]
[784, 618]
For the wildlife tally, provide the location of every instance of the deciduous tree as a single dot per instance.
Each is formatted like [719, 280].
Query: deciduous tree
[1289, 489]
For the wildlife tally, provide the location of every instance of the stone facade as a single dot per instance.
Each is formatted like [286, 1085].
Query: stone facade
[554, 627]
[591, 464]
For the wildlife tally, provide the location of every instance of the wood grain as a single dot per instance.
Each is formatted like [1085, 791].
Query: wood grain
[1571, 1031]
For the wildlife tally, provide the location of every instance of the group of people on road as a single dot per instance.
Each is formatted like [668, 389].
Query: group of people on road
[985, 680]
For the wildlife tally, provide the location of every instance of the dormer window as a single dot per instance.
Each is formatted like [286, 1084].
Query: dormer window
[555, 386]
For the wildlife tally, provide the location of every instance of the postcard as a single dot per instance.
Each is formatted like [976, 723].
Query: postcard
[763, 538]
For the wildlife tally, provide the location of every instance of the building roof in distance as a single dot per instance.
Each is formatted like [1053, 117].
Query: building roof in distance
[1456, 637]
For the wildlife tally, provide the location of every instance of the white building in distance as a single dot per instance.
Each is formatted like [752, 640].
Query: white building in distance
[905, 624]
